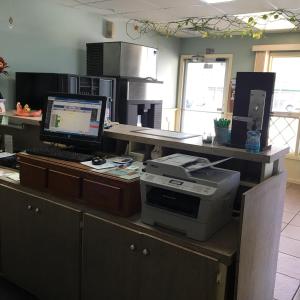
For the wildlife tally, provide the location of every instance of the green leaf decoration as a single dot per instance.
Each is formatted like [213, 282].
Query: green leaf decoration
[211, 26]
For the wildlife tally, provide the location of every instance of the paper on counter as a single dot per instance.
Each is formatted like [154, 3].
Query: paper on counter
[6, 154]
[107, 165]
[5, 172]
[130, 172]
[14, 176]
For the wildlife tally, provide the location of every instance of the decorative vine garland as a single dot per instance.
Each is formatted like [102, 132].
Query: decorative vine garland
[219, 26]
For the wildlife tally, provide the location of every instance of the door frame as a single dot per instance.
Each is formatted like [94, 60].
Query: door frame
[181, 80]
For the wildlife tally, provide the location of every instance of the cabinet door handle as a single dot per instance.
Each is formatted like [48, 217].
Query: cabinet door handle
[37, 210]
[29, 207]
[146, 252]
[132, 247]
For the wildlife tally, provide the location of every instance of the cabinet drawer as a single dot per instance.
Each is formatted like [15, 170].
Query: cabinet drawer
[63, 185]
[100, 195]
[33, 176]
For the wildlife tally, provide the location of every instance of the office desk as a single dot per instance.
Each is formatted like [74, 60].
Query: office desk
[111, 257]
[208, 269]
[79, 183]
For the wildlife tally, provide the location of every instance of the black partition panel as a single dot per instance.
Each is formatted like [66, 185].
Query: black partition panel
[245, 82]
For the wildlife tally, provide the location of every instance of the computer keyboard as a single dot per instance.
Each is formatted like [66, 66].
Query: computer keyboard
[60, 154]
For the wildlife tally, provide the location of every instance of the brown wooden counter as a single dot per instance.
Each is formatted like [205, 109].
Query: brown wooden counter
[79, 183]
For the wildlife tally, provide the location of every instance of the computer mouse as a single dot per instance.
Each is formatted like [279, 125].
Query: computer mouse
[98, 161]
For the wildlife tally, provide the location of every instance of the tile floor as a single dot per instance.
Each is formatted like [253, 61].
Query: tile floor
[287, 286]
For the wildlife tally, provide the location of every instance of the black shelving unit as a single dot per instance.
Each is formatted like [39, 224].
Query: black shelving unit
[32, 87]
[99, 86]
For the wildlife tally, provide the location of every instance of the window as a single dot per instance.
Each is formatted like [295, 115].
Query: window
[287, 87]
[203, 90]
[285, 125]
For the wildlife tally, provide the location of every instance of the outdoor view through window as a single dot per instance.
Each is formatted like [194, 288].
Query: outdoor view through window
[286, 103]
[202, 96]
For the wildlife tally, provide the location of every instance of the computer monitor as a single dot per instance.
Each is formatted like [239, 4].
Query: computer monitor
[75, 120]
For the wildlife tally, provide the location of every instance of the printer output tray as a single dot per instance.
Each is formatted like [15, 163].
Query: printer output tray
[173, 201]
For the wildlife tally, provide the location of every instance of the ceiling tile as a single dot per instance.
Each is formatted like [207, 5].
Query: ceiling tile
[182, 12]
[170, 10]
[158, 15]
[173, 3]
[288, 4]
[244, 6]
[69, 3]
[91, 1]
[102, 12]
[121, 6]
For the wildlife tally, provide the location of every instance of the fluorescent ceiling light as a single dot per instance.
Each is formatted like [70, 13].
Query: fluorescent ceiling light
[216, 1]
[270, 23]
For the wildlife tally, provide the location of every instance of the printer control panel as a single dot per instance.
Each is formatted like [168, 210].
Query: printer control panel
[179, 184]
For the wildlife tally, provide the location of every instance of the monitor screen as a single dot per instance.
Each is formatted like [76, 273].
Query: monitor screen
[73, 119]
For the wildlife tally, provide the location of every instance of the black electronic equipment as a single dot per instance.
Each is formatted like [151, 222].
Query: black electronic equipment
[75, 120]
[138, 93]
[32, 88]
[57, 153]
[252, 106]
[139, 102]
[9, 161]
[121, 59]
[96, 160]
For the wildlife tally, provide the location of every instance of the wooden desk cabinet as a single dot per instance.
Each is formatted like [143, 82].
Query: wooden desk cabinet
[78, 183]
[49, 251]
[40, 244]
[42, 251]
[121, 263]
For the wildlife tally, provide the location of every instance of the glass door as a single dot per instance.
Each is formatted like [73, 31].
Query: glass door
[203, 95]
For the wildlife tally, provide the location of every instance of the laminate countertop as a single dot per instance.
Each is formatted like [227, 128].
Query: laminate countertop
[193, 144]
[11, 117]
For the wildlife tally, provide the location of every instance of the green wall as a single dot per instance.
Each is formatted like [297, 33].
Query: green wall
[48, 37]
[241, 48]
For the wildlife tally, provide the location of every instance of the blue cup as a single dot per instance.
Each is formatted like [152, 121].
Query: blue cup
[253, 141]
